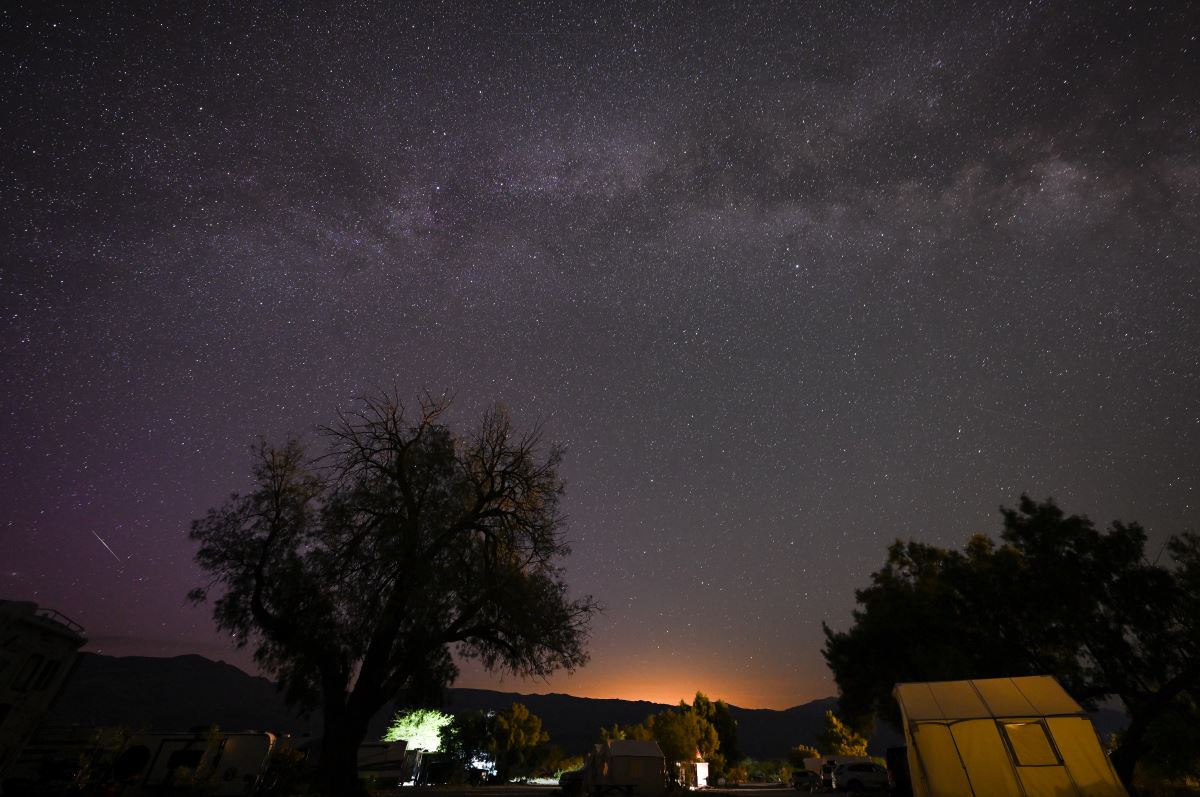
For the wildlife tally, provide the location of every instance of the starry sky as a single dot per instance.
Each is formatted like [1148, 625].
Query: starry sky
[789, 280]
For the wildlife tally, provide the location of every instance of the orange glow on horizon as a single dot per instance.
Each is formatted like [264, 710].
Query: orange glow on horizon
[668, 688]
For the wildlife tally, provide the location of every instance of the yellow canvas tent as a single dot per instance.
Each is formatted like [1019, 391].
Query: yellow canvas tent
[625, 767]
[1002, 737]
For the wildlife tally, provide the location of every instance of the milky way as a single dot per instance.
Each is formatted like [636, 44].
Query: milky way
[788, 280]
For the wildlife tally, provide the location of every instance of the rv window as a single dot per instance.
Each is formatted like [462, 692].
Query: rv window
[1030, 745]
[46, 675]
[184, 758]
[26, 673]
[130, 763]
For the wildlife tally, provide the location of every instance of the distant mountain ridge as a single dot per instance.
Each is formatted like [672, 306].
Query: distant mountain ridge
[184, 692]
[575, 722]
[190, 691]
[174, 693]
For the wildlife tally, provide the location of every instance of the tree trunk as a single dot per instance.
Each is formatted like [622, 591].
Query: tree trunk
[337, 773]
[1126, 756]
[1144, 712]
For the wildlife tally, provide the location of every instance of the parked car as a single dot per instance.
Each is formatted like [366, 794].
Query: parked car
[860, 777]
[805, 780]
[571, 782]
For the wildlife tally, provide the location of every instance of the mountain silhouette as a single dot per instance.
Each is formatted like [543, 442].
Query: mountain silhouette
[184, 692]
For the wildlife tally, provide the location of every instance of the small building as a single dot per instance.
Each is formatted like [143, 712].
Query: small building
[38, 650]
[693, 774]
[1002, 737]
[625, 766]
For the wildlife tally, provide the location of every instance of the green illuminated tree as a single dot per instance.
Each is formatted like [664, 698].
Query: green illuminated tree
[354, 575]
[421, 728]
[1056, 596]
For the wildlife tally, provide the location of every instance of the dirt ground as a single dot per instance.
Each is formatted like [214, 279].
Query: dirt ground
[471, 791]
[552, 791]
[513, 790]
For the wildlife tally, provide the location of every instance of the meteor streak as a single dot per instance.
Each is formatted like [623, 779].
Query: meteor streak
[110, 550]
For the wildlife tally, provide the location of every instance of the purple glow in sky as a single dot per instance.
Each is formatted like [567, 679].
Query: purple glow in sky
[789, 281]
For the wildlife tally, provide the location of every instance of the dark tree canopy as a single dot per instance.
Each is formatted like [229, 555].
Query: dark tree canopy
[1056, 596]
[467, 737]
[356, 575]
[517, 741]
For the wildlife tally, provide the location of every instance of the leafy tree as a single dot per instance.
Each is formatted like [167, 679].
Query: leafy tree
[767, 771]
[421, 728]
[354, 576]
[738, 773]
[286, 771]
[1056, 596]
[837, 738]
[516, 741]
[203, 777]
[1174, 744]
[512, 739]
[555, 765]
[101, 765]
[683, 734]
[468, 737]
[718, 715]
[551, 761]
[800, 752]
[637, 732]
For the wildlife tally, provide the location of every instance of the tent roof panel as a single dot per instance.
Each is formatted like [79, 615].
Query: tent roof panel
[918, 700]
[943, 701]
[1046, 695]
[1004, 698]
[634, 748]
[958, 699]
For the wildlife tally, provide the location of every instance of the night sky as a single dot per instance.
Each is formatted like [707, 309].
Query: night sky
[788, 280]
